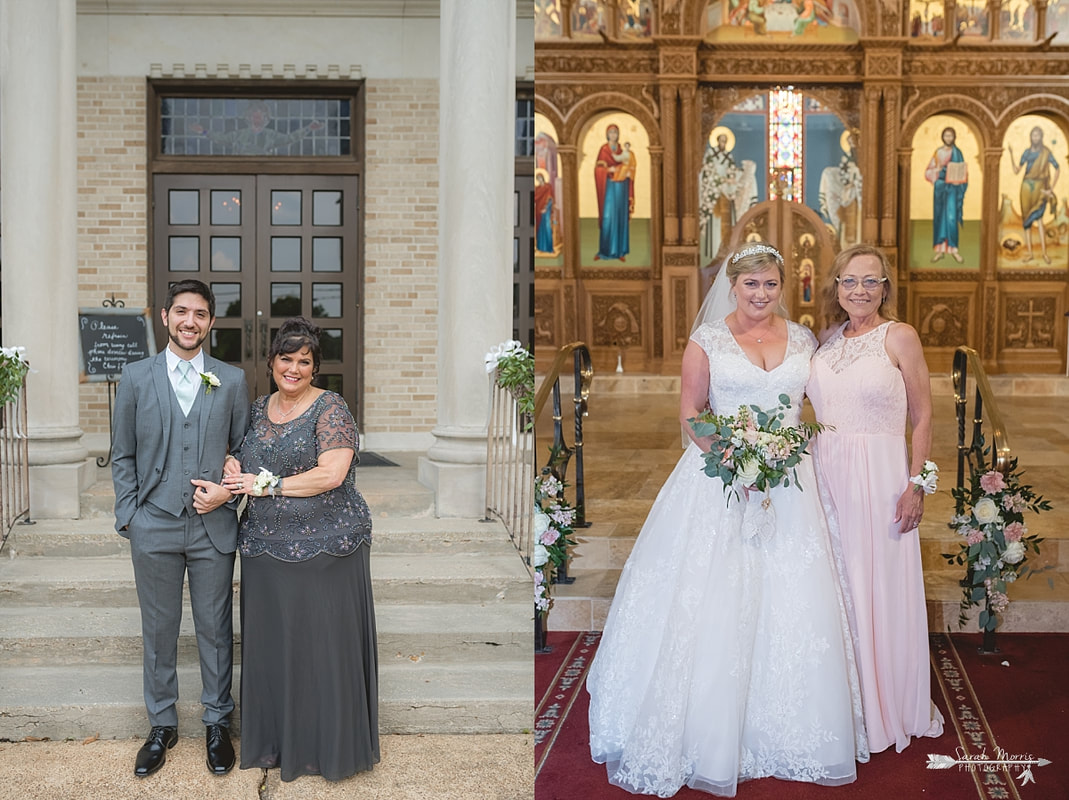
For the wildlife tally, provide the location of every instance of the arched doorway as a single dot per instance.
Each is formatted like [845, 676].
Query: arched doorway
[806, 243]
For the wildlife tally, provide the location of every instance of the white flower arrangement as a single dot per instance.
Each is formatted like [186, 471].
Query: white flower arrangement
[513, 369]
[264, 481]
[928, 478]
[210, 381]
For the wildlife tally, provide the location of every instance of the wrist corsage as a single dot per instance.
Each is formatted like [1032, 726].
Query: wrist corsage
[210, 381]
[264, 483]
[928, 477]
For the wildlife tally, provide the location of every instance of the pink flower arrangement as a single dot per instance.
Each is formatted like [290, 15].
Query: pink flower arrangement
[990, 520]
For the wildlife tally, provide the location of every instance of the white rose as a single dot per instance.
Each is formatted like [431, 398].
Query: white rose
[1014, 553]
[541, 555]
[985, 510]
[541, 523]
[748, 471]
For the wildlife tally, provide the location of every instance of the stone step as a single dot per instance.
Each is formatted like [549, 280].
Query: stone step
[414, 697]
[412, 578]
[444, 633]
[97, 537]
[1038, 604]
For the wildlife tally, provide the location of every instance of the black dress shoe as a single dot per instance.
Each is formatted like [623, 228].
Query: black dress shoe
[220, 750]
[153, 752]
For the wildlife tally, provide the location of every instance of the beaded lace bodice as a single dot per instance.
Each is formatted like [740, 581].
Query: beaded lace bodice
[297, 528]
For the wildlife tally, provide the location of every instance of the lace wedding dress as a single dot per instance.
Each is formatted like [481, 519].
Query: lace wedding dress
[725, 656]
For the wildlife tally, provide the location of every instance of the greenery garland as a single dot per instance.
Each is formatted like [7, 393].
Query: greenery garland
[13, 369]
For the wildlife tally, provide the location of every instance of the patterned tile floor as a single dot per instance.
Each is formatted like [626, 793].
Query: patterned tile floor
[632, 442]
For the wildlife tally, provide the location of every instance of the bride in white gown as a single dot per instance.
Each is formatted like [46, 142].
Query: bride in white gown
[728, 657]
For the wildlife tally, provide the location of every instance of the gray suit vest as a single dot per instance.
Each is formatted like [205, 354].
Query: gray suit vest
[181, 464]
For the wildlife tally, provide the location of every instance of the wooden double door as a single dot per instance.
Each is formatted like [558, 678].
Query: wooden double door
[271, 247]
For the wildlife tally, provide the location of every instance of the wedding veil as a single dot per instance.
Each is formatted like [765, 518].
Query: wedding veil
[718, 302]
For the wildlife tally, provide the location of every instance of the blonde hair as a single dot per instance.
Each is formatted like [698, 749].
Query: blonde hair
[831, 311]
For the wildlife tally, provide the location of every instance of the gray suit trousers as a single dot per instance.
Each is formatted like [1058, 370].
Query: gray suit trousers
[164, 549]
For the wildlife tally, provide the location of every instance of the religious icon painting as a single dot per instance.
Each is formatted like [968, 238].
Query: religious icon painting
[836, 21]
[614, 193]
[1033, 211]
[548, 194]
[926, 20]
[946, 187]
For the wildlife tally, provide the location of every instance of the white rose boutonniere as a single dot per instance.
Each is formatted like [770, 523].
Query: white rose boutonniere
[210, 381]
[985, 510]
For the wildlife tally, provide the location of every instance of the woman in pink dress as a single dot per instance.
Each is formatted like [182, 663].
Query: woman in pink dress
[867, 377]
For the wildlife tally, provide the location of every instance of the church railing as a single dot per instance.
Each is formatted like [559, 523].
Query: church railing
[560, 454]
[14, 464]
[510, 461]
[967, 364]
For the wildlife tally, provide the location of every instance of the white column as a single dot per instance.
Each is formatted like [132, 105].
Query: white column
[475, 223]
[38, 90]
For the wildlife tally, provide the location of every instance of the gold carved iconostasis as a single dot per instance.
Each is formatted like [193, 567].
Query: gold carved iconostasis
[669, 132]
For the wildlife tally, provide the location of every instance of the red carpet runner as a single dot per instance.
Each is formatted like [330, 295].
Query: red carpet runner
[1016, 713]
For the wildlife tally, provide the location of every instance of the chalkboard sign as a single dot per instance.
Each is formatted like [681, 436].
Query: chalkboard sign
[111, 339]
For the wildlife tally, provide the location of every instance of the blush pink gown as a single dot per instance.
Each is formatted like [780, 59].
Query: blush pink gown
[862, 469]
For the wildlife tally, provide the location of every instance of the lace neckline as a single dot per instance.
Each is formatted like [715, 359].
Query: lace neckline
[842, 330]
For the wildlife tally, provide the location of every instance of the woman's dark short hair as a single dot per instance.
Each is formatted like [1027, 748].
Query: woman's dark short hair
[295, 334]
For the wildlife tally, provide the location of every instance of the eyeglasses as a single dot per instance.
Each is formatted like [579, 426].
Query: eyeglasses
[868, 284]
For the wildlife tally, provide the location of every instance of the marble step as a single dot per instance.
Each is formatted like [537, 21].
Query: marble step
[414, 578]
[96, 536]
[444, 633]
[414, 697]
[1038, 604]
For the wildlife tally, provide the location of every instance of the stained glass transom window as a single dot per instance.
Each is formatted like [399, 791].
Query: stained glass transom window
[785, 144]
[231, 126]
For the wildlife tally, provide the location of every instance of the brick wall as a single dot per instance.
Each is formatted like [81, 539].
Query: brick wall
[401, 257]
[401, 202]
[112, 209]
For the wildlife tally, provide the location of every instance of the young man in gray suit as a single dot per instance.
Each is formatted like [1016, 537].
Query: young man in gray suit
[178, 415]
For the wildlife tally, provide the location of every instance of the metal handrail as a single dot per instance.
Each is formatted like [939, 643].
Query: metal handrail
[560, 452]
[967, 360]
[14, 464]
[510, 461]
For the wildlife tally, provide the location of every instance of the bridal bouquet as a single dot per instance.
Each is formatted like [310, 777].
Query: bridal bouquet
[753, 448]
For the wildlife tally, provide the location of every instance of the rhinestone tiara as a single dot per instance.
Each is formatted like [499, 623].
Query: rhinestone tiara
[754, 249]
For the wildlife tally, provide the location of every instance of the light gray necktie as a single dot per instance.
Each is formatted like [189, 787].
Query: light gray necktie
[186, 389]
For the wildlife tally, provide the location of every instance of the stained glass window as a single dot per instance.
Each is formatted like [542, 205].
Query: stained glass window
[547, 18]
[785, 144]
[232, 126]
